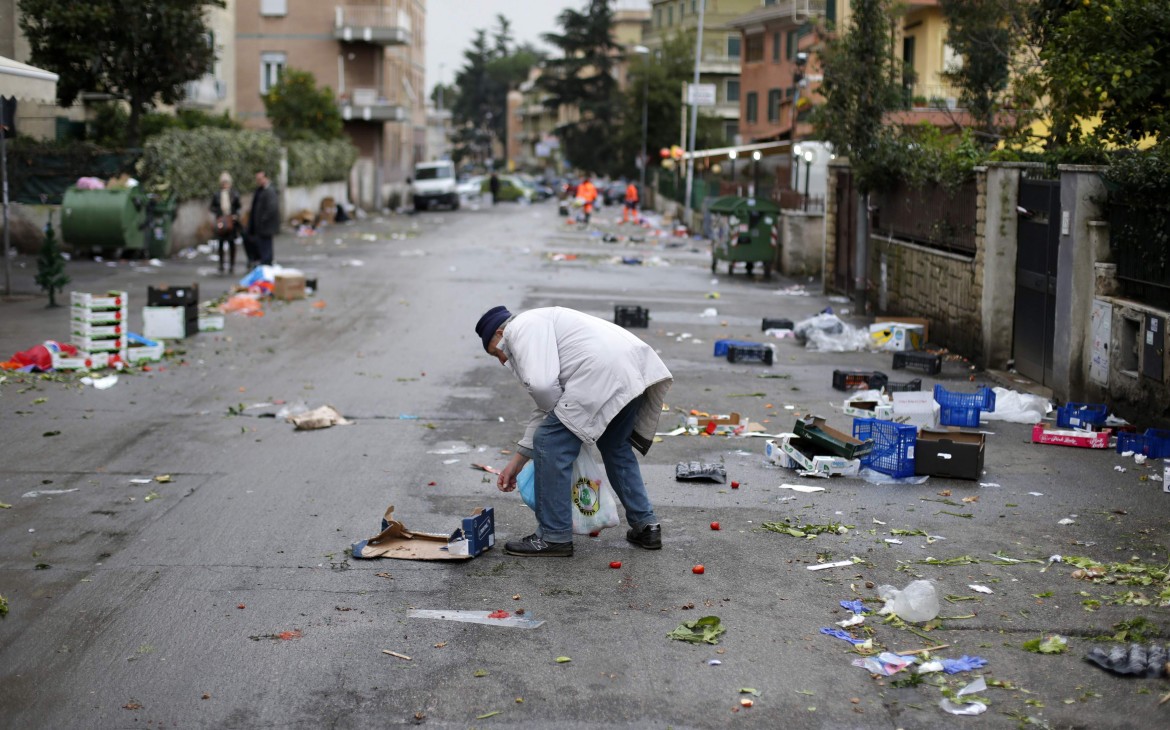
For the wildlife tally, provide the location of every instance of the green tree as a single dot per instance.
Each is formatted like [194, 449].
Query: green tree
[299, 110]
[658, 80]
[986, 35]
[583, 78]
[1108, 60]
[140, 51]
[51, 265]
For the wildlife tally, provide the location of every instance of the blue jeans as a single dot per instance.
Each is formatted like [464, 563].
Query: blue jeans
[555, 448]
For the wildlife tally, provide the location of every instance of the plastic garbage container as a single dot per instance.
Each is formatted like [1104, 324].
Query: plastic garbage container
[159, 214]
[106, 219]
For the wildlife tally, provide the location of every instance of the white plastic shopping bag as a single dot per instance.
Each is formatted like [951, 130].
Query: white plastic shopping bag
[594, 501]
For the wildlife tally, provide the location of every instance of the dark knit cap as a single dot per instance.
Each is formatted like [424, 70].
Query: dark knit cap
[490, 322]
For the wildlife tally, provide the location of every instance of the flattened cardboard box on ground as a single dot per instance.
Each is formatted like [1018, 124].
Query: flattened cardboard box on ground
[950, 454]
[792, 452]
[475, 534]
[1042, 433]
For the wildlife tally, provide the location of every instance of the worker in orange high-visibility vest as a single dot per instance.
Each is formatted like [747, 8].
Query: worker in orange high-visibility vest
[630, 212]
[588, 194]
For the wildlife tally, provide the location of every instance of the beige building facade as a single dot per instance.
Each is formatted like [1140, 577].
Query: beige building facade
[372, 57]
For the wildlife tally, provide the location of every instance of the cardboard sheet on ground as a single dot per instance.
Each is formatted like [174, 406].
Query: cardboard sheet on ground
[476, 534]
[322, 417]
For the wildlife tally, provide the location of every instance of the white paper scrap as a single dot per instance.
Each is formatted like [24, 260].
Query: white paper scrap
[43, 492]
[854, 620]
[477, 617]
[979, 589]
[876, 521]
[1036, 494]
[806, 489]
[838, 564]
[1066, 521]
[893, 541]
[141, 481]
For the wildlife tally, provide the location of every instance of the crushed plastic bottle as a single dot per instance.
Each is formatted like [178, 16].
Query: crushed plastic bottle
[917, 602]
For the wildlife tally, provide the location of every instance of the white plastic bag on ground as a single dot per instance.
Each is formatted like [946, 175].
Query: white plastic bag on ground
[917, 602]
[848, 339]
[1016, 407]
[824, 321]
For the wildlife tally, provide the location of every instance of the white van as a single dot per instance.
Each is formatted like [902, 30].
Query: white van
[434, 182]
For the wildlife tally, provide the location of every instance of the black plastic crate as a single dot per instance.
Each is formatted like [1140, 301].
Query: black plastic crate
[912, 386]
[631, 316]
[776, 324]
[859, 380]
[750, 353]
[926, 362]
[172, 296]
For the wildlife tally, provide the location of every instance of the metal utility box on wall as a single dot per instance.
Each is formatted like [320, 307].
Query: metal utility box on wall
[1154, 347]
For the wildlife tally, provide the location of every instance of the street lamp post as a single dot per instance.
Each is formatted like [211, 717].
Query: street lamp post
[644, 51]
[732, 155]
[809, 156]
[756, 173]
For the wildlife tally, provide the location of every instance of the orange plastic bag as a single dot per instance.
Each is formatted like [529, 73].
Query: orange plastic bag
[244, 304]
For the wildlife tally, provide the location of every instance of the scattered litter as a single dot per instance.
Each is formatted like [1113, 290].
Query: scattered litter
[101, 383]
[707, 629]
[803, 488]
[1134, 660]
[46, 492]
[291, 409]
[1053, 644]
[1116, 468]
[456, 448]
[971, 708]
[1016, 407]
[843, 636]
[450, 461]
[713, 662]
[1036, 494]
[930, 667]
[917, 602]
[318, 418]
[963, 664]
[838, 564]
[485, 467]
[1066, 521]
[395, 654]
[980, 589]
[893, 541]
[710, 312]
[477, 617]
[853, 620]
[989, 484]
[696, 471]
[885, 664]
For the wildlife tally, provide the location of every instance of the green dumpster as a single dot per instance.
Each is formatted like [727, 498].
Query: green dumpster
[744, 231]
[106, 219]
[160, 213]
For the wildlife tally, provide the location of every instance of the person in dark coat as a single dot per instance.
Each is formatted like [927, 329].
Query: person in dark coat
[264, 220]
[225, 206]
[494, 185]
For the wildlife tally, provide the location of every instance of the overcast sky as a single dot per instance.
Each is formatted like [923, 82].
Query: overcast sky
[451, 26]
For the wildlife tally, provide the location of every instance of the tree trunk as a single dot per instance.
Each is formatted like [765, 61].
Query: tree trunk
[861, 255]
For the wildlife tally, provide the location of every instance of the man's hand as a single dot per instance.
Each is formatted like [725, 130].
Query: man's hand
[507, 480]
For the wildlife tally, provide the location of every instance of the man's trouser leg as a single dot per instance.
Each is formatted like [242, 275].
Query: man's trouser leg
[621, 466]
[554, 449]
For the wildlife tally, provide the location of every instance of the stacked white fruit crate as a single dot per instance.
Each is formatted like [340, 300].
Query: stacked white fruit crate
[97, 325]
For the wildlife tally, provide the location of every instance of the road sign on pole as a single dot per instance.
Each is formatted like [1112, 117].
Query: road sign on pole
[701, 94]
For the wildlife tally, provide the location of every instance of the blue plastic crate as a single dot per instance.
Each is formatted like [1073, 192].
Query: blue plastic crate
[1079, 415]
[1154, 443]
[721, 346]
[963, 409]
[893, 446]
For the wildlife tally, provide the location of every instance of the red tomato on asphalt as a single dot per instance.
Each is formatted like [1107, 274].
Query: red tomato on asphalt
[714, 525]
[735, 485]
[698, 570]
[616, 564]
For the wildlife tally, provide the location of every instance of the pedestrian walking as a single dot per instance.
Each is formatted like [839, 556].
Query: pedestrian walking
[494, 186]
[225, 206]
[264, 220]
[593, 382]
[630, 211]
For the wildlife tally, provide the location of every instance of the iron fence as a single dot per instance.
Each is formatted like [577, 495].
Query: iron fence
[1139, 238]
[932, 216]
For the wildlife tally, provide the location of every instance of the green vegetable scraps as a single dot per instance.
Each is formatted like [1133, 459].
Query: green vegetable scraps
[1053, 644]
[749, 691]
[961, 560]
[909, 533]
[486, 715]
[150, 497]
[1134, 573]
[707, 629]
[563, 660]
[5, 505]
[3, 607]
[746, 395]
[808, 531]
[479, 673]
[1138, 629]
[954, 514]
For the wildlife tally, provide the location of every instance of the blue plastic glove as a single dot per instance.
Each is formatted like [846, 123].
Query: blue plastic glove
[963, 664]
[855, 606]
[839, 634]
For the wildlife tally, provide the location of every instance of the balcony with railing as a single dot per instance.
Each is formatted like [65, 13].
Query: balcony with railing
[367, 105]
[387, 24]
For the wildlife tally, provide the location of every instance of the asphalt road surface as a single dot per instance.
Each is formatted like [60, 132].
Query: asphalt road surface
[224, 597]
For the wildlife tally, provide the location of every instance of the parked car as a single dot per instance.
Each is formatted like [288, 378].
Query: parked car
[512, 189]
[469, 187]
[433, 184]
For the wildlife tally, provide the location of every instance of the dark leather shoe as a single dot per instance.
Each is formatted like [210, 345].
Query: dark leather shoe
[534, 547]
[649, 537]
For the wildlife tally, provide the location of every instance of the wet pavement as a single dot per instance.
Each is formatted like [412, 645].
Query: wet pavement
[223, 596]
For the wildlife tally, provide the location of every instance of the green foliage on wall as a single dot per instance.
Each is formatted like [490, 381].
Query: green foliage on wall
[187, 163]
[312, 163]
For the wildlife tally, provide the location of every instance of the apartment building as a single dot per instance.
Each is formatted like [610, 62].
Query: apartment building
[214, 92]
[370, 53]
[719, 62]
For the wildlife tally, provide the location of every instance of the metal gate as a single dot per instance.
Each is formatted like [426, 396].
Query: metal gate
[846, 233]
[1037, 242]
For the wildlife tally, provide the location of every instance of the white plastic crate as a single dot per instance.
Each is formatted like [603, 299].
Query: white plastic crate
[89, 329]
[97, 316]
[109, 300]
[99, 344]
[81, 361]
[211, 323]
[149, 353]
